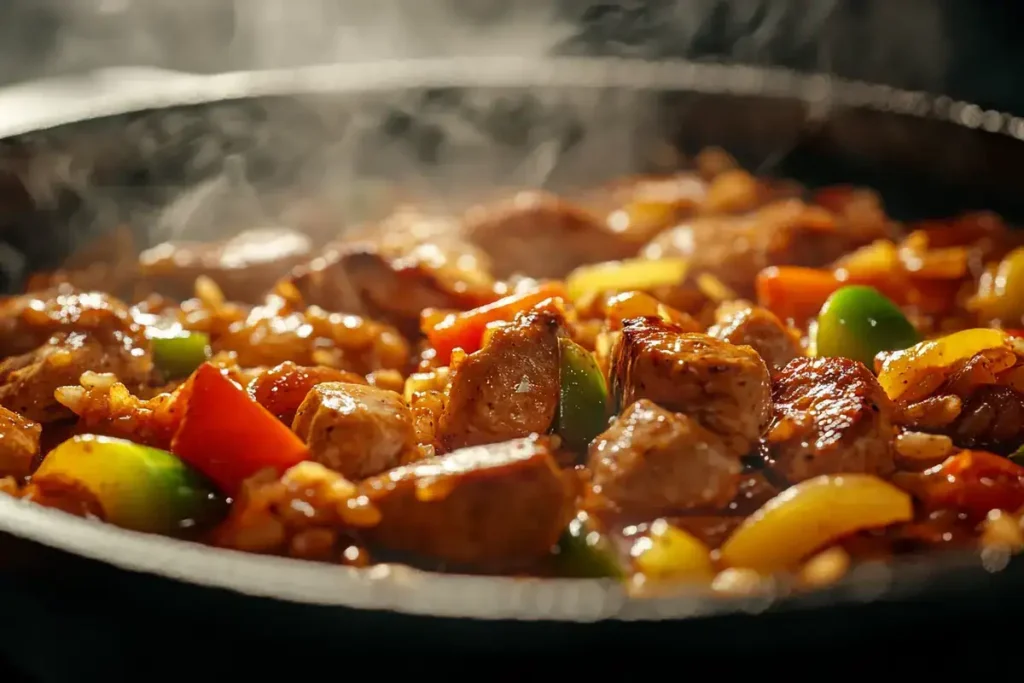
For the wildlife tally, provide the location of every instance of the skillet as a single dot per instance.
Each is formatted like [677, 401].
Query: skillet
[202, 156]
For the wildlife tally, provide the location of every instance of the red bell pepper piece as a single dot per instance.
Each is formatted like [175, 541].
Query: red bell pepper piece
[465, 330]
[975, 482]
[228, 436]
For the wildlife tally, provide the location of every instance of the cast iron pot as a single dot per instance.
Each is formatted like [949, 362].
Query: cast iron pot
[200, 157]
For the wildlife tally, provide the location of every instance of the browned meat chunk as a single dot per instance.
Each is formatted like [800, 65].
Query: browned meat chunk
[19, 444]
[542, 236]
[358, 278]
[283, 388]
[28, 321]
[355, 429]
[735, 248]
[28, 381]
[640, 207]
[434, 239]
[726, 388]
[992, 418]
[507, 389]
[653, 462]
[245, 267]
[50, 339]
[740, 323]
[831, 417]
[977, 401]
[498, 506]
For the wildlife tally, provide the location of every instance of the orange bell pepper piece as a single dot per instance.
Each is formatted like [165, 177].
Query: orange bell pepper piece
[975, 482]
[795, 293]
[228, 436]
[465, 330]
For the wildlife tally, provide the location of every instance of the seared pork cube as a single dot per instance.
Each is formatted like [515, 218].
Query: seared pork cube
[831, 417]
[355, 429]
[499, 506]
[540, 235]
[50, 338]
[245, 267]
[741, 323]
[734, 248]
[724, 387]
[656, 462]
[507, 389]
[30, 320]
[19, 444]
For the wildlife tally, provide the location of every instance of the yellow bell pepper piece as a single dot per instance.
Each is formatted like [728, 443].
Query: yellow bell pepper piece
[668, 552]
[904, 369]
[618, 276]
[1001, 293]
[811, 515]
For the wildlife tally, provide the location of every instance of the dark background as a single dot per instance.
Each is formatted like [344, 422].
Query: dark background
[967, 48]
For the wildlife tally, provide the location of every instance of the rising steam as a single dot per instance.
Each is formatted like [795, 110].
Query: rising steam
[244, 164]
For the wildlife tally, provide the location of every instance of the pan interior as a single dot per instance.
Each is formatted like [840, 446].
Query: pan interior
[219, 155]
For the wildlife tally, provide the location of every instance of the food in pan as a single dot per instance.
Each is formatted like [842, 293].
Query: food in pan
[703, 378]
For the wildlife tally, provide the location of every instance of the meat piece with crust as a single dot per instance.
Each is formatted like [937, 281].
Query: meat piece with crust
[28, 381]
[354, 429]
[831, 417]
[48, 339]
[741, 323]
[245, 267]
[363, 279]
[30, 320]
[509, 388]
[539, 235]
[724, 387]
[653, 462]
[734, 248]
[498, 507]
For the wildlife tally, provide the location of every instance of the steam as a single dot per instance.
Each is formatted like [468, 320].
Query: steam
[212, 172]
[903, 43]
[369, 30]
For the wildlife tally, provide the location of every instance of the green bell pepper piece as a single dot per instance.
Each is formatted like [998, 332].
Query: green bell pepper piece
[858, 322]
[583, 401]
[138, 487]
[583, 553]
[178, 354]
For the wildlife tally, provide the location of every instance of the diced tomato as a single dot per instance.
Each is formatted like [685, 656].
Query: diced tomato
[228, 436]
